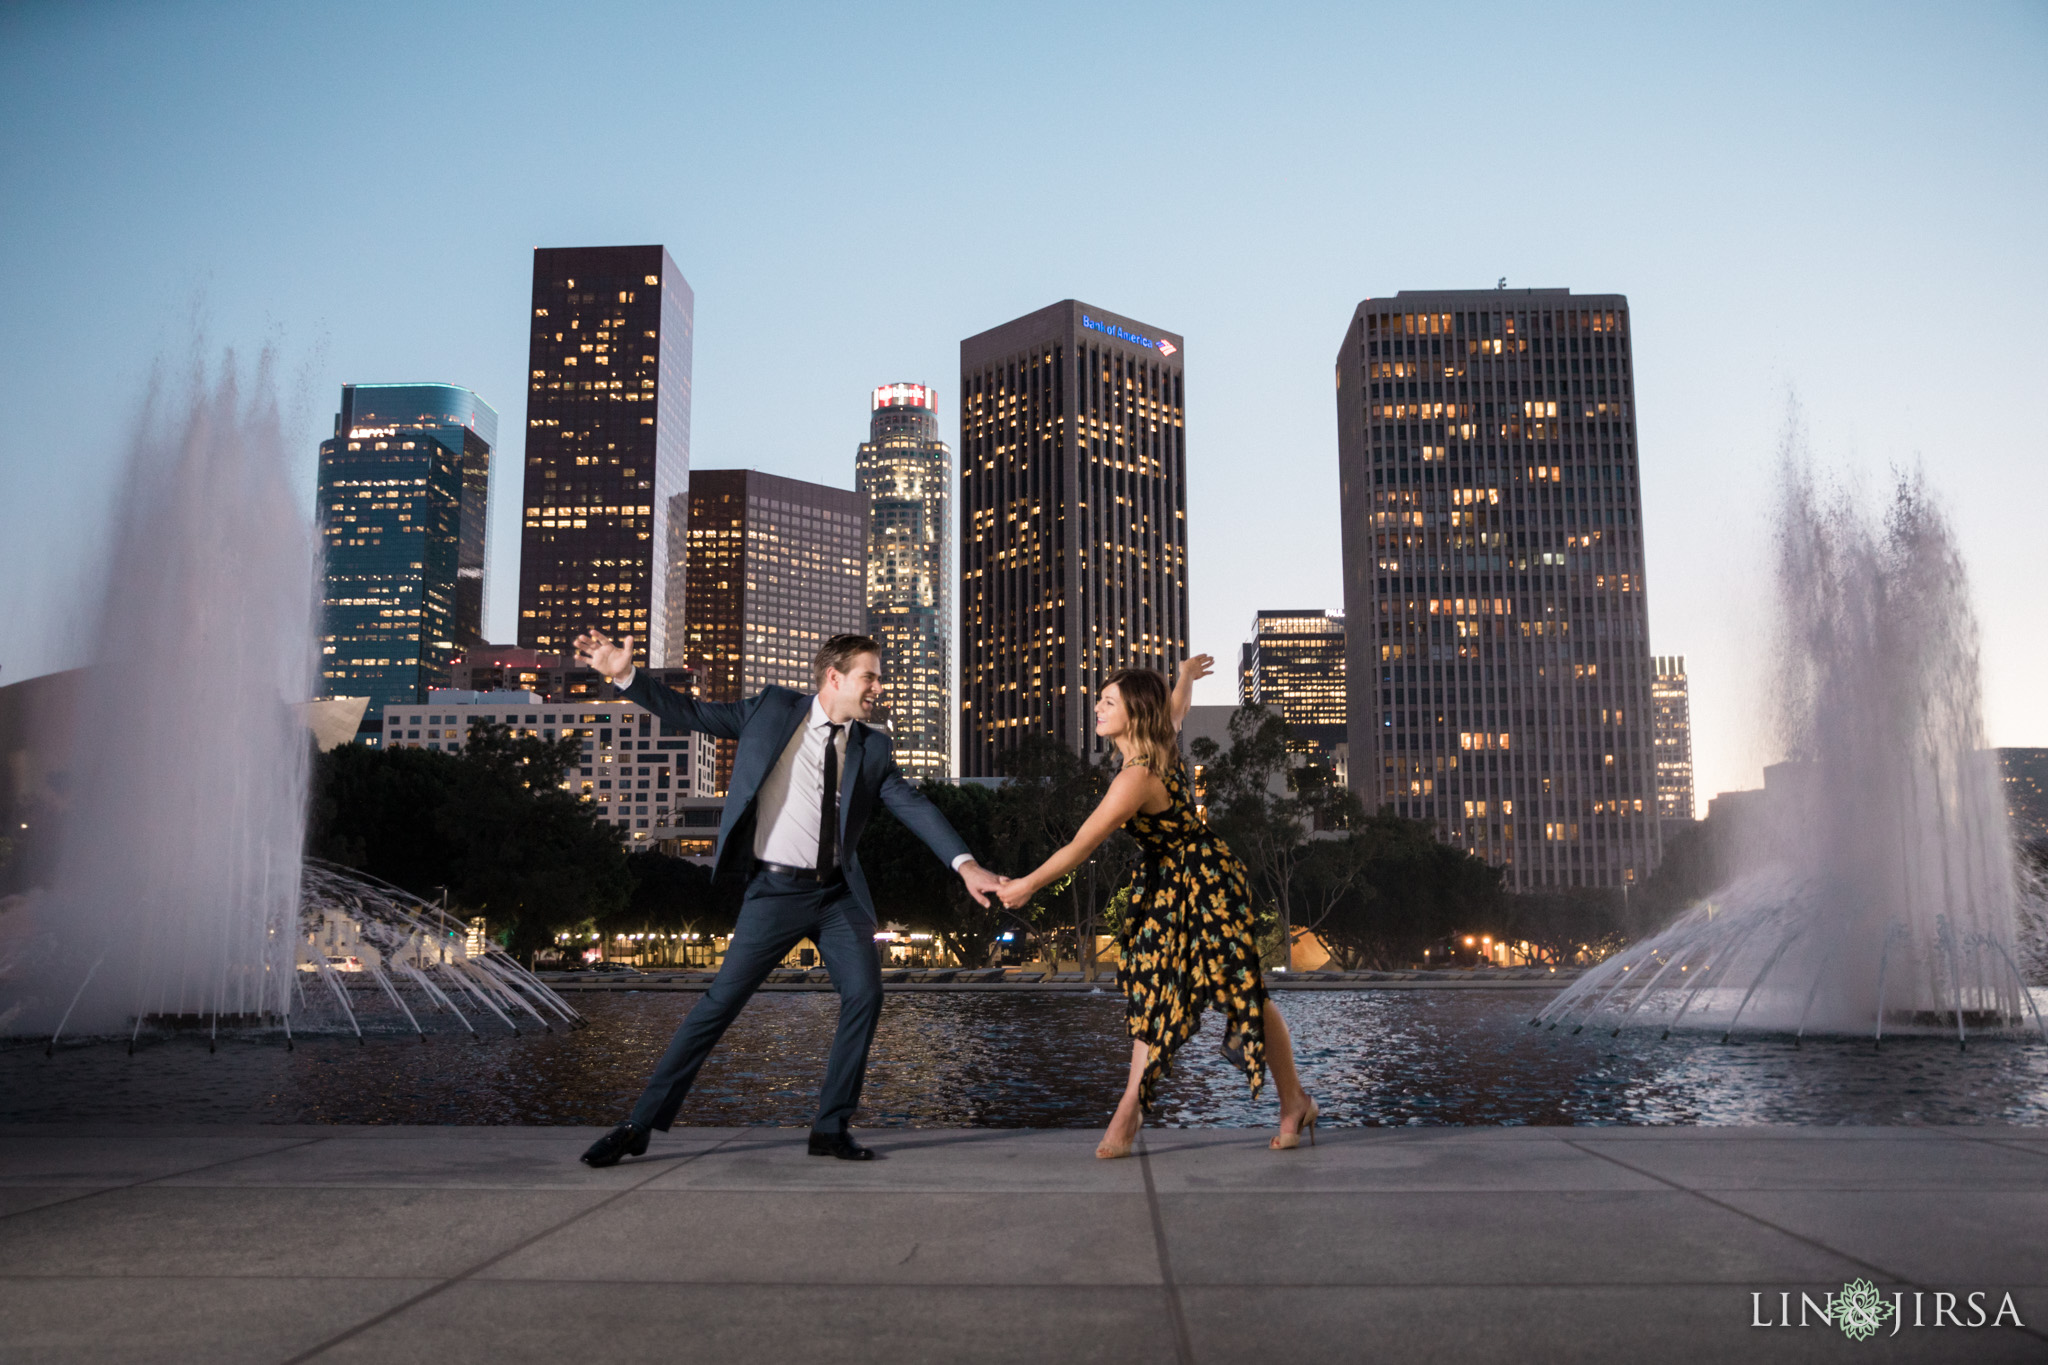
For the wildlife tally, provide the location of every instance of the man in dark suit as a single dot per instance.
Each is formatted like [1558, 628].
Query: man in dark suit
[804, 782]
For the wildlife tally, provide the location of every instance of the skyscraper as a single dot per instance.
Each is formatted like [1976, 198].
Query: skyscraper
[776, 567]
[1073, 521]
[1672, 718]
[907, 473]
[1498, 655]
[404, 495]
[607, 448]
[1294, 664]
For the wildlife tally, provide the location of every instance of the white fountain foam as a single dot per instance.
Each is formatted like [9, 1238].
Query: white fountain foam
[1879, 891]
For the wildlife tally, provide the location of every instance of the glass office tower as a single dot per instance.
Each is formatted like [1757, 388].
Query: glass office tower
[1294, 664]
[1671, 695]
[1498, 653]
[776, 567]
[907, 473]
[607, 448]
[1073, 522]
[404, 500]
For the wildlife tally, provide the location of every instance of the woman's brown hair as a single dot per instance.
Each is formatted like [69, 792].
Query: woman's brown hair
[1149, 705]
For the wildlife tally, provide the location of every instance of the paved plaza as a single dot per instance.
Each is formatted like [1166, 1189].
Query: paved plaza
[227, 1244]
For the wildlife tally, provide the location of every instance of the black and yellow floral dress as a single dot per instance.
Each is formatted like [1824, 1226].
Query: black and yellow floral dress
[1188, 941]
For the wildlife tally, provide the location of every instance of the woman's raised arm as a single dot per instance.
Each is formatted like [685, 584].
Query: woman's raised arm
[1192, 670]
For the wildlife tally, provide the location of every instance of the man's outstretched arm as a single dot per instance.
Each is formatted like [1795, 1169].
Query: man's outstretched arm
[923, 819]
[615, 661]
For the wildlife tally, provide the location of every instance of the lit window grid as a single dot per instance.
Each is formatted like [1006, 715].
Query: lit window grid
[608, 402]
[775, 567]
[1294, 664]
[390, 513]
[635, 771]
[1500, 675]
[906, 473]
[1073, 530]
[1672, 717]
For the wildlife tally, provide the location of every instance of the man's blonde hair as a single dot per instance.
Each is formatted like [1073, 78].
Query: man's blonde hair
[839, 652]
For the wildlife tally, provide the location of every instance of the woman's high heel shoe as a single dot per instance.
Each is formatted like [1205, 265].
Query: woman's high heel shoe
[1287, 1142]
[1108, 1150]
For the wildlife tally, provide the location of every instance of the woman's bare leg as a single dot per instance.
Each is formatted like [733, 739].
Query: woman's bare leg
[1280, 1062]
[1124, 1125]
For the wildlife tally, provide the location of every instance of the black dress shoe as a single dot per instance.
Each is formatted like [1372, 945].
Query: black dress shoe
[624, 1140]
[840, 1145]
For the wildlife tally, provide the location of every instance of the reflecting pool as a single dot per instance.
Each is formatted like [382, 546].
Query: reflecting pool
[1045, 1060]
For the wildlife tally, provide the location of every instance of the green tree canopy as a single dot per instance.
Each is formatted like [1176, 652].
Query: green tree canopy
[913, 888]
[491, 824]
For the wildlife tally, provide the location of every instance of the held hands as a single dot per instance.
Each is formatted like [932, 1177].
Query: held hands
[981, 882]
[596, 649]
[1016, 892]
[1194, 668]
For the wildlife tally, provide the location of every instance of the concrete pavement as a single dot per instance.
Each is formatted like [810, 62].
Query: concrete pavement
[224, 1244]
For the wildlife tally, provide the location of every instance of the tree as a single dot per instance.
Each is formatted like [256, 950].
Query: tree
[1049, 795]
[672, 896]
[1563, 923]
[1413, 892]
[491, 824]
[914, 888]
[1695, 863]
[1269, 804]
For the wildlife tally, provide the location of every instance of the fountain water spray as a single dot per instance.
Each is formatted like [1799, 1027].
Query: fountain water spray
[179, 894]
[176, 889]
[1879, 891]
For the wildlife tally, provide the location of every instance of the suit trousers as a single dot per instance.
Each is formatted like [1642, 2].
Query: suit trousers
[776, 914]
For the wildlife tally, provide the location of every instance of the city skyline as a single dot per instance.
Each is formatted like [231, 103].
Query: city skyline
[1792, 242]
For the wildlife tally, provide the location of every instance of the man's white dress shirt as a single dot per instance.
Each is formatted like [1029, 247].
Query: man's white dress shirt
[786, 812]
[792, 796]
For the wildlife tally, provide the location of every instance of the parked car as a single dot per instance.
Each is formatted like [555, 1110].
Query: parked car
[615, 967]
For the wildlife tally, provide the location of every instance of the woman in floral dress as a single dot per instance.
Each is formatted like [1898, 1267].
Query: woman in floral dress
[1188, 936]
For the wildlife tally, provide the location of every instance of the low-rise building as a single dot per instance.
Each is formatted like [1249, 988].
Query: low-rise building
[642, 774]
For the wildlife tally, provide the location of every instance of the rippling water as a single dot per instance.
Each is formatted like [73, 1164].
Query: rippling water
[1029, 1060]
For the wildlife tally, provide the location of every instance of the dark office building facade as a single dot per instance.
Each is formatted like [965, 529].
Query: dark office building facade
[776, 567]
[1073, 521]
[907, 473]
[403, 497]
[1294, 664]
[607, 448]
[1498, 651]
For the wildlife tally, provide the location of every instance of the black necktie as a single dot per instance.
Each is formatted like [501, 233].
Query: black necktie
[828, 806]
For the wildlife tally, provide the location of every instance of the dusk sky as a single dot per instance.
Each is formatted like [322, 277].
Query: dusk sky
[1846, 203]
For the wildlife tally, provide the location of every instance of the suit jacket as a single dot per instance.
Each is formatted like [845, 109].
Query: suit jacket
[763, 725]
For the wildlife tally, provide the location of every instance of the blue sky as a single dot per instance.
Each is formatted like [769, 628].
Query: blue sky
[1842, 201]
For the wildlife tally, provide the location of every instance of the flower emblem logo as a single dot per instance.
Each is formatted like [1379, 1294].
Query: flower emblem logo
[1860, 1310]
